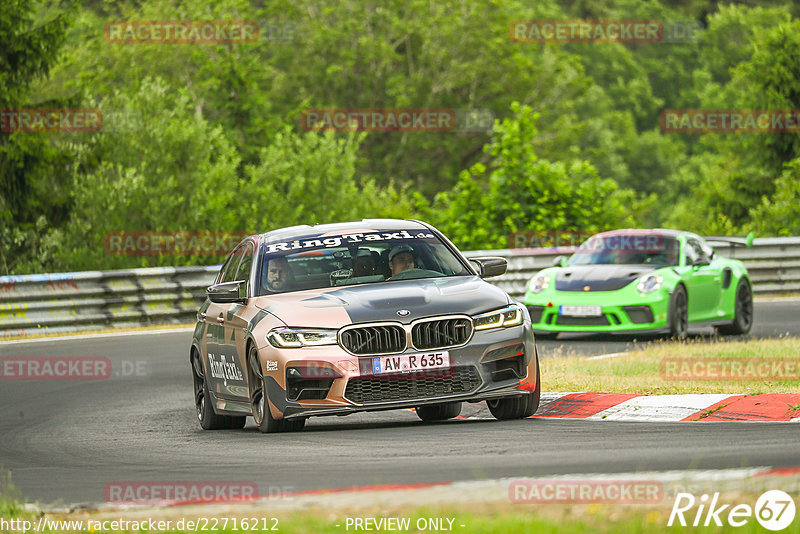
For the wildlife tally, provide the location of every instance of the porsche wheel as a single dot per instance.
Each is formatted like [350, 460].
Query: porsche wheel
[518, 407]
[743, 311]
[439, 412]
[679, 314]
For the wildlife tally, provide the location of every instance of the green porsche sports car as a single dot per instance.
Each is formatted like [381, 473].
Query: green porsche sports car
[642, 281]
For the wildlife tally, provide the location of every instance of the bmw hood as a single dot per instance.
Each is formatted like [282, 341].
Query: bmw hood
[338, 306]
[599, 277]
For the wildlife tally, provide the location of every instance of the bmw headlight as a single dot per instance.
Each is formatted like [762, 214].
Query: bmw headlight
[649, 283]
[285, 338]
[539, 283]
[508, 316]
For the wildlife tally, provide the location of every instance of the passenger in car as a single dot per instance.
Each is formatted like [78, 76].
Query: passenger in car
[364, 264]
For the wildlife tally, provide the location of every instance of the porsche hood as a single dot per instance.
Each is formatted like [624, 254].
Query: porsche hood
[599, 277]
[338, 306]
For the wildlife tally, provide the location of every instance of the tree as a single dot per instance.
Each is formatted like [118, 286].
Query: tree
[520, 191]
[780, 214]
[310, 178]
[33, 184]
[155, 167]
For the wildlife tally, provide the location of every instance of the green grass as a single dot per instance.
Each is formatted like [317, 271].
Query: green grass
[10, 497]
[641, 371]
[502, 519]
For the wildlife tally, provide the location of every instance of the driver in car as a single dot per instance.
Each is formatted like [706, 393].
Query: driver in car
[279, 276]
[401, 258]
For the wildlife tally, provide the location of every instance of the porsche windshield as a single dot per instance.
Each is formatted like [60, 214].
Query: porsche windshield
[326, 261]
[627, 249]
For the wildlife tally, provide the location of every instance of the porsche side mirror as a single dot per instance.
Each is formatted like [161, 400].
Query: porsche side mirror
[488, 266]
[559, 261]
[228, 292]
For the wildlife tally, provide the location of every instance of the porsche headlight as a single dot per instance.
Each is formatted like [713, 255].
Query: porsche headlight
[539, 283]
[649, 283]
[285, 338]
[508, 316]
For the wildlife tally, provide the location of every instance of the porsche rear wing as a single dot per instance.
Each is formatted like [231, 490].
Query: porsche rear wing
[732, 242]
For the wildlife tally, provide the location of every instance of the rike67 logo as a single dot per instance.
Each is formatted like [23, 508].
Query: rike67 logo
[774, 510]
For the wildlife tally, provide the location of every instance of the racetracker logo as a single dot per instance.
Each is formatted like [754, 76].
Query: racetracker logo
[71, 368]
[730, 121]
[650, 243]
[738, 369]
[50, 120]
[396, 120]
[181, 32]
[155, 493]
[56, 368]
[586, 491]
[586, 31]
[550, 239]
[172, 243]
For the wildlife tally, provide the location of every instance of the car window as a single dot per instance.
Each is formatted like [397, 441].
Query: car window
[697, 251]
[331, 261]
[708, 252]
[224, 268]
[243, 272]
[232, 265]
[691, 253]
[627, 249]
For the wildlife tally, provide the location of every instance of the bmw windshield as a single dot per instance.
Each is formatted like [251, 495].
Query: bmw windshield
[320, 261]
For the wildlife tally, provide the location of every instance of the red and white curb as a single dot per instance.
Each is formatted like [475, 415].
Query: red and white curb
[779, 407]
[449, 493]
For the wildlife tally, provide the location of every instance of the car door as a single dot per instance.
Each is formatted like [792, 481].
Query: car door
[207, 314]
[233, 346]
[221, 370]
[703, 281]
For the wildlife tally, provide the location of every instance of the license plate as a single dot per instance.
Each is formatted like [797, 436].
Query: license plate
[406, 363]
[580, 311]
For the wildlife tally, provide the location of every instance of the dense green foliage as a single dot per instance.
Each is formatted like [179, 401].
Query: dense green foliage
[207, 137]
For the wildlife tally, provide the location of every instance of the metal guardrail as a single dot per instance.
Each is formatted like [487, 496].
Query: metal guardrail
[773, 264]
[111, 299]
[65, 302]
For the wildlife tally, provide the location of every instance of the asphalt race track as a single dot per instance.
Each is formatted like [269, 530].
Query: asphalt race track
[63, 441]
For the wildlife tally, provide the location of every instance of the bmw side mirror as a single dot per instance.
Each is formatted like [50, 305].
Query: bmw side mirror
[228, 292]
[488, 266]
